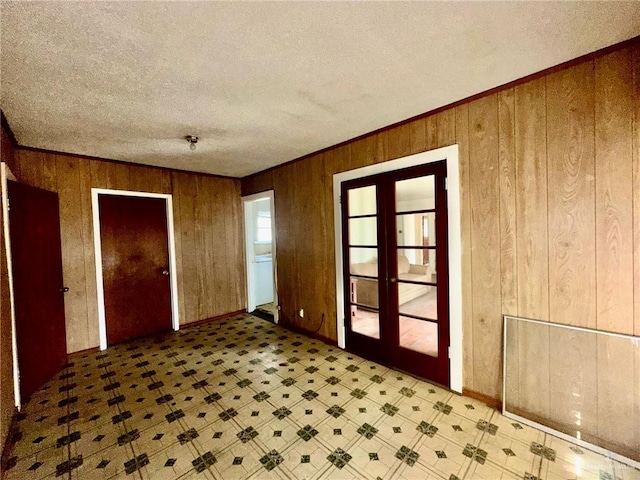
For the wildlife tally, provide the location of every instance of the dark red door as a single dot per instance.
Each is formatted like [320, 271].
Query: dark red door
[135, 266]
[34, 221]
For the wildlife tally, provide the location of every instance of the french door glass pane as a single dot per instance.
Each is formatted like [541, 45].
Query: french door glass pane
[363, 231]
[364, 261]
[418, 300]
[417, 264]
[362, 201]
[416, 229]
[364, 291]
[419, 335]
[365, 322]
[415, 194]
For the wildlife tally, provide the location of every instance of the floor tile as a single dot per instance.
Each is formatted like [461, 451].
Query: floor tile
[246, 399]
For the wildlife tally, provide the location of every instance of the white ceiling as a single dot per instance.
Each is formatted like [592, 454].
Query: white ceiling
[264, 83]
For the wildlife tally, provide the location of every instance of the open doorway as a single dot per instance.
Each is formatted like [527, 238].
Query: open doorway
[260, 244]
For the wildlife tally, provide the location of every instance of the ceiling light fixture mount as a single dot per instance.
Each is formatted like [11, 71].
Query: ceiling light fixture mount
[192, 139]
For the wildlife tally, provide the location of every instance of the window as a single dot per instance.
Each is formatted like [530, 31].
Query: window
[263, 227]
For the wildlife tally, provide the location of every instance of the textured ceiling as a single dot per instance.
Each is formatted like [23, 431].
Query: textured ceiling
[264, 83]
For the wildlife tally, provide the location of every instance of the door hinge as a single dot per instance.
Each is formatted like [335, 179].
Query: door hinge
[446, 183]
[449, 352]
[340, 199]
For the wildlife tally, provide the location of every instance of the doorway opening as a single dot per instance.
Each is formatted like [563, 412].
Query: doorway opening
[389, 298]
[260, 251]
[136, 272]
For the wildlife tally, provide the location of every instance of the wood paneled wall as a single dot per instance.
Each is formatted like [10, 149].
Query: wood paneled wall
[7, 400]
[208, 228]
[550, 186]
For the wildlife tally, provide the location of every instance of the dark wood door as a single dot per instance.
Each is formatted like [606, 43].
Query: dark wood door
[34, 221]
[135, 266]
[396, 269]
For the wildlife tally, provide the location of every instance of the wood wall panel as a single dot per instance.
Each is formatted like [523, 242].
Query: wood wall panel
[208, 226]
[462, 138]
[508, 220]
[417, 136]
[310, 254]
[211, 246]
[326, 289]
[73, 256]
[257, 183]
[399, 141]
[360, 153]
[431, 132]
[614, 191]
[91, 286]
[446, 124]
[485, 249]
[636, 193]
[571, 193]
[531, 200]
[286, 219]
[382, 147]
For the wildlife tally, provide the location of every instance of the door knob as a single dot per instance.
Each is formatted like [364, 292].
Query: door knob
[392, 280]
[165, 272]
[63, 289]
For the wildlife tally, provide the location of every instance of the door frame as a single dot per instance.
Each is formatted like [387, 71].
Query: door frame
[6, 174]
[248, 243]
[450, 155]
[97, 242]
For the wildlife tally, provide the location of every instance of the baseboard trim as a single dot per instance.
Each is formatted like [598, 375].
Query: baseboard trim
[490, 401]
[218, 318]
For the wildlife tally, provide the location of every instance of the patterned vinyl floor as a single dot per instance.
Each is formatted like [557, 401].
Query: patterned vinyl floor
[244, 398]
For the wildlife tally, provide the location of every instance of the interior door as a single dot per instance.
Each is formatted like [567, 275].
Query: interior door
[34, 222]
[135, 266]
[396, 279]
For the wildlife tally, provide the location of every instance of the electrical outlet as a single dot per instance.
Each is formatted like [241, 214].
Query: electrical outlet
[301, 313]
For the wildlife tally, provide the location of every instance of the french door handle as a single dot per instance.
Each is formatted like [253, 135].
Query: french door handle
[63, 289]
[392, 280]
[165, 272]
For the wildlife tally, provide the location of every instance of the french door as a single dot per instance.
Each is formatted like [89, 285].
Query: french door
[395, 269]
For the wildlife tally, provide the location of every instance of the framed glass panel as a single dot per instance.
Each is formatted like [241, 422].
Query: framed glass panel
[415, 194]
[364, 261]
[364, 291]
[418, 300]
[416, 229]
[365, 318]
[365, 322]
[419, 335]
[363, 231]
[362, 201]
[417, 261]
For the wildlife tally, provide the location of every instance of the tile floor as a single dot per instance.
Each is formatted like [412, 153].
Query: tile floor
[244, 398]
[267, 307]
[266, 311]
